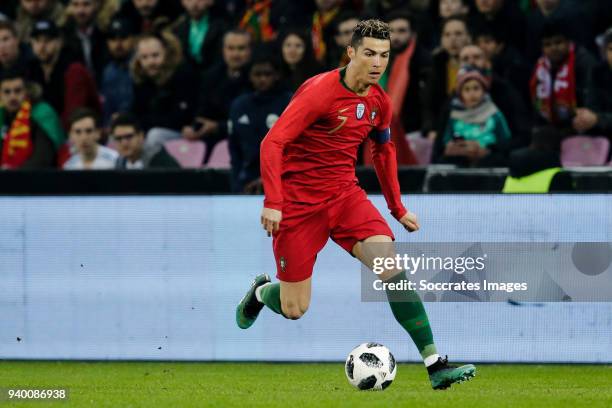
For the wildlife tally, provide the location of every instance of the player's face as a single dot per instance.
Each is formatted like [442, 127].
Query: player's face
[370, 59]
[84, 135]
[128, 141]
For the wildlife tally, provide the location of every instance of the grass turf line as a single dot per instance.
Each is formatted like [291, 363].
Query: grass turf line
[163, 384]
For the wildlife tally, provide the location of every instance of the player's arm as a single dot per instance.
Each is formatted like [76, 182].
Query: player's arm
[385, 164]
[303, 110]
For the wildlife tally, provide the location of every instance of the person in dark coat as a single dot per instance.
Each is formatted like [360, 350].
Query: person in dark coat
[251, 116]
[596, 117]
[165, 94]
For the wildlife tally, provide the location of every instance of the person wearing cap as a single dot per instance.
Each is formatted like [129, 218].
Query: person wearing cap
[560, 78]
[66, 83]
[596, 117]
[476, 132]
[116, 85]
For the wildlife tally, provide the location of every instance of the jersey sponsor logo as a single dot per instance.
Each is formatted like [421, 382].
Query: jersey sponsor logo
[342, 119]
[360, 110]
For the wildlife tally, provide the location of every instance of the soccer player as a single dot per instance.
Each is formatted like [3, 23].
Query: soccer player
[311, 193]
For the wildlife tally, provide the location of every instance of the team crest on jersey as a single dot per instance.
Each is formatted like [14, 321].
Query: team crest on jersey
[360, 110]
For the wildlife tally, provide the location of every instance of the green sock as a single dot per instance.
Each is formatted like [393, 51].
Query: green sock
[270, 296]
[409, 312]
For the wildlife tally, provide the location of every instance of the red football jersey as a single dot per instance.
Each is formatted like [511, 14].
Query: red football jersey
[310, 153]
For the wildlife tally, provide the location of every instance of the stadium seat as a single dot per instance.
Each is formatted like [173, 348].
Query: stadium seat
[421, 146]
[189, 154]
[584, 151]
[220, 157]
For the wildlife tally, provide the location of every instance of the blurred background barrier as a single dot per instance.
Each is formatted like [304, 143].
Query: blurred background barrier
[158, 278]
[413, 179]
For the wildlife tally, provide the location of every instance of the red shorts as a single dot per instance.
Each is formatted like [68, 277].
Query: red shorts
[305, 228]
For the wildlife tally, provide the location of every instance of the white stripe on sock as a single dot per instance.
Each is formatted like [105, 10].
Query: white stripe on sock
[258, 291]
[430, 360]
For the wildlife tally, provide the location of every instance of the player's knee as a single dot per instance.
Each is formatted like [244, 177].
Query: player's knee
[294, 310]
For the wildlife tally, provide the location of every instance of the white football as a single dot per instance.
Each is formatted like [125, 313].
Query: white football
[370, 366]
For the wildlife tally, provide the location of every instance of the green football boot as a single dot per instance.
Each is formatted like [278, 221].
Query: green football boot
[442, 375]
[249, 307]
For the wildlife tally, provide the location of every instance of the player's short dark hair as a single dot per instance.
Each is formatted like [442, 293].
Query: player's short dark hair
[125, 119]
[372, 29]
[83, 113]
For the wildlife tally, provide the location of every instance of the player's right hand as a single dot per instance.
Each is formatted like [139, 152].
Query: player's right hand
[270, 220]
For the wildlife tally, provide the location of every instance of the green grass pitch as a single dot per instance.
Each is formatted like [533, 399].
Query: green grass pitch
[163, 384]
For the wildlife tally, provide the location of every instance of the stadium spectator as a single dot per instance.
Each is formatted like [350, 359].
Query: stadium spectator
[571, 14]
[251, 116]
[30, 130]
[560, 78]
[164, 87]
[82, 32]
[13, 54]
[149, 15]
[505, 15]
[200, 33]
[336, 55]
[116, 85]
[506, 61]
[407, 57]
[30, 11]
[442, 79]
[537, 168]
[596, 117]
[66, 83]
[503, 94]
[264, 19]
[323, 29]
[220, 85]
[449, 8]
[84, 133]
[134, 153]
[299, 62]
[476, 133]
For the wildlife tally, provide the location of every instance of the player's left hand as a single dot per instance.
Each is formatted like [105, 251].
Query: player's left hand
[410, 222]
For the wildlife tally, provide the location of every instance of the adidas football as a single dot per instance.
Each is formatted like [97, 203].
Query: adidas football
[370, 366]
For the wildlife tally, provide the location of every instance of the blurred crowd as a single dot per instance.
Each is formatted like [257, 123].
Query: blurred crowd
[140, 84]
